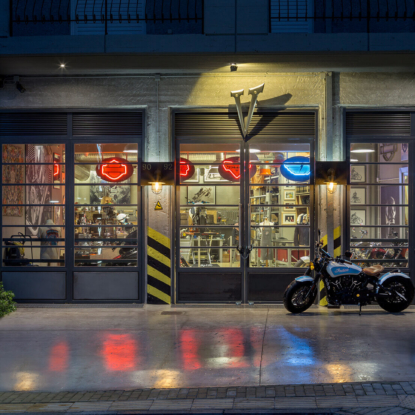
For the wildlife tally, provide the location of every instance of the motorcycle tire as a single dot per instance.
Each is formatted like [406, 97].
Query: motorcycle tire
[294, 295]
[396, 304]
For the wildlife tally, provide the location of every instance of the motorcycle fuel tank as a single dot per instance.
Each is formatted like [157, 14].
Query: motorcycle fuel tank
[337, 270]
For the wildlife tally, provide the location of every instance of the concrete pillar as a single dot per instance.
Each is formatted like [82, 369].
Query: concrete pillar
[5, 18]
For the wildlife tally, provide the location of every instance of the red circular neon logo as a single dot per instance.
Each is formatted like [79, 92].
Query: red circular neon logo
[187, 169]
[114, 169]
[230, 169]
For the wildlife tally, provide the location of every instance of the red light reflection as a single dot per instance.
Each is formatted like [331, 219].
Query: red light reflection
[120, 352]
[59, 356]
[190, 342]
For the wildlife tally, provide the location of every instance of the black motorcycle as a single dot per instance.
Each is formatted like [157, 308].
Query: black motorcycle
[347, 283]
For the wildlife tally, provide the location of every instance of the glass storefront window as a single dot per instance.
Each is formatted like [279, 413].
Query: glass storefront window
[106, 200]
[378, 202]
[33, 204]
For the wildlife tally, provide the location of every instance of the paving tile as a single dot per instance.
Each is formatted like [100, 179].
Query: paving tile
[380, 401]
[281, 403]
[131, 405]
[212, 404]
[172, 404]
[13, 408]
[336, 401]
[89, 406]
[254, 403]
[49, 407]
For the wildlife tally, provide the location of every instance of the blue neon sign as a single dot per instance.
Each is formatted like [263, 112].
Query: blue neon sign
[296, 169]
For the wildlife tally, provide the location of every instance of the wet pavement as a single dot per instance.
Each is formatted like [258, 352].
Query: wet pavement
[84, 349]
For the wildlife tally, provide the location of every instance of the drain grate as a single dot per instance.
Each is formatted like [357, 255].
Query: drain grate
[172, 313]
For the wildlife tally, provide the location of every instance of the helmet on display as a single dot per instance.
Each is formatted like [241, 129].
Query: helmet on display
[121, 216]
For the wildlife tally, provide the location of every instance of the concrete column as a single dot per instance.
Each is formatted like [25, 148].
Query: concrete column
[4, 18]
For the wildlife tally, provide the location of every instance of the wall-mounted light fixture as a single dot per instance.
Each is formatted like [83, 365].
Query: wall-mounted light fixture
[331, 174]
[234, 67]
[156, 187]
[331, 183]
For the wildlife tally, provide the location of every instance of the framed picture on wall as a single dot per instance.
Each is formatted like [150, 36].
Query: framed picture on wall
[288, 218]
[358, 196]
[201, 194]
[357, 217]
[289, 195]
[357, 174]
[390, 215]
[289, 207]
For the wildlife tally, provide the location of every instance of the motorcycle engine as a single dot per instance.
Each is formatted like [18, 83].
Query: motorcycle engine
[346, 287]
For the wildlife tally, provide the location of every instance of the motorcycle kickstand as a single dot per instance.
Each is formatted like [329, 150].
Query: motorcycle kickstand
[360, 309]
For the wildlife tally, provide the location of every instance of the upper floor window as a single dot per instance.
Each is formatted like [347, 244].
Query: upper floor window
[291, 16]
[123, 17]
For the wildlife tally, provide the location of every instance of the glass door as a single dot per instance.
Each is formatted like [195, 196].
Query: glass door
[379, 192]
[244, 219]
[280, 216]
[209, 221]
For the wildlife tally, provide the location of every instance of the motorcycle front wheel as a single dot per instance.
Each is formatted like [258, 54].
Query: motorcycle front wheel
[402, 291]
[295, 296]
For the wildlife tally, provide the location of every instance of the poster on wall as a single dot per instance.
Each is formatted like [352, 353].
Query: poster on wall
[389, 213]
[116, 194]
[201, 194]
[38, 194]
[13, 174]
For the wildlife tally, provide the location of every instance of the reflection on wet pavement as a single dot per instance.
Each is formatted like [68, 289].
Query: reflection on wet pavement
[45, 349]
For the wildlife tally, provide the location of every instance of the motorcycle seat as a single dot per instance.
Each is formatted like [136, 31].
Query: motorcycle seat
[374, 270]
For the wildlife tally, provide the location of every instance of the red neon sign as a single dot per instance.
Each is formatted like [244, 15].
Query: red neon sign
[187, 169]
[230, 169]
[114, 169]
[56, 170]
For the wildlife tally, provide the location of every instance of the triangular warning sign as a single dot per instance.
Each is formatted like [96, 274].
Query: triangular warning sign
[158, 206]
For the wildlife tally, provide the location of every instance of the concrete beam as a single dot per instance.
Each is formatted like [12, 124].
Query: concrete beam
[253, 17]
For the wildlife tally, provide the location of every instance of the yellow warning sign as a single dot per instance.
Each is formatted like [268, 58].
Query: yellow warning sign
[158, 206]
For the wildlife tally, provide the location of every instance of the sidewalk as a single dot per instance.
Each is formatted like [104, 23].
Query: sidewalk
[347, 398]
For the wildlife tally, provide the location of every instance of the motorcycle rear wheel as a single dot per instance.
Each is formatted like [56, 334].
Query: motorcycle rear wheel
[294, 297]
[395, 303]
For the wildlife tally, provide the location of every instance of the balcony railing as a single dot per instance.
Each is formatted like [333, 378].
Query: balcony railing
[342, 15]
[101, 14]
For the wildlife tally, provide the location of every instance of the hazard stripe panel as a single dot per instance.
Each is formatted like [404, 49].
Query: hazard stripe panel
[158, 268]
[337, 252]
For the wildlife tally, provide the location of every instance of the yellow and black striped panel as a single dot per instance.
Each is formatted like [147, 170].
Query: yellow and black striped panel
[323, 294]
[158, 268]
[337, 252]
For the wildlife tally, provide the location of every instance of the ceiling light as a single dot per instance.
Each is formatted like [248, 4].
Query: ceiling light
[251, 150]
[234, 67]
[362, 150]
[352, 160]
[131, 148]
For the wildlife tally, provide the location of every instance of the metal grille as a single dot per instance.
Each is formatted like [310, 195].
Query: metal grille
[298, 15]
[102, 11]
[224, 124]
[378, 123]
[33, 124]
[115, 124]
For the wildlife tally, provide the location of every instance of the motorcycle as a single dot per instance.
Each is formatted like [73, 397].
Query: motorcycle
[347, 283]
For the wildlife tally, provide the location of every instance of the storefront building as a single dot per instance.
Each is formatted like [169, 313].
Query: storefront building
[239, 221]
